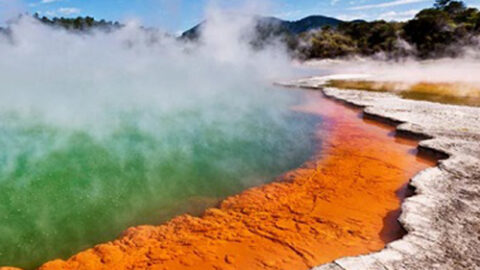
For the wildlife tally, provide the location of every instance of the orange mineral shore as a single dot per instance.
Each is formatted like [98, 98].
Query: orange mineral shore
[342, 202]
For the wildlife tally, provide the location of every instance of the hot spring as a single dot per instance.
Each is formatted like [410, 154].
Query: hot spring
[102, 131]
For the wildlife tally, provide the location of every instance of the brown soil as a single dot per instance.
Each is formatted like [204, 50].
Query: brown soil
[343, 202]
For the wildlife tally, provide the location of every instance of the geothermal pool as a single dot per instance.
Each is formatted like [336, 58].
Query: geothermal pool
[65, 188]
[102, 131]
[343, 201]
[105, 131]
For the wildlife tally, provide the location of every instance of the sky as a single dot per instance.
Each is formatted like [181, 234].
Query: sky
[179, 15]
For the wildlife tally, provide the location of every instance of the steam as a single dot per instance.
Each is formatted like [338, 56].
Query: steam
[69, 77]
[459, 71]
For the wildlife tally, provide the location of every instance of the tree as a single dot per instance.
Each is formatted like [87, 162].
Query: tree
[455, 7]
[79, 23]
[468, 17]
[328, 43]
[452, 7]
[89, 21]
[431, 31]
[477, 22]
[441, 4]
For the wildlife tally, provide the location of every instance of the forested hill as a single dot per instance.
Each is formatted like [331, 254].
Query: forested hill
[272, 25]
[444, 30]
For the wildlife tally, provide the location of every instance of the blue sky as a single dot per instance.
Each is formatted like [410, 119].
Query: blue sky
[178, 15]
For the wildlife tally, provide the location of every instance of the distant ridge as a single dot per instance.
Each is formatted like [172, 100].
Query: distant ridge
[311, 23]
[278, 25]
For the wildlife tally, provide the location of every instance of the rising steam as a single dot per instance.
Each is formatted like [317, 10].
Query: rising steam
[450, 76]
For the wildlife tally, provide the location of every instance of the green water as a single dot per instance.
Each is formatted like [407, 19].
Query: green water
[65, 188]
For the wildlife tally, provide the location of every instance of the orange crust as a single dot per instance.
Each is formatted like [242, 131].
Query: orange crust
[343, 202]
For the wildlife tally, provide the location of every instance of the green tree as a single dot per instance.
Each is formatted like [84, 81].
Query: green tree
[328, 43]
[441, 4]
[431, 31]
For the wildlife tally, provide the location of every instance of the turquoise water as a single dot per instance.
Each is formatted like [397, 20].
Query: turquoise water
[64, 188]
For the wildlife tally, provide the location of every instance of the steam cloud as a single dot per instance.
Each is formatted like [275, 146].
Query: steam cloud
[448, 70]
[455, 77]
[70, 76]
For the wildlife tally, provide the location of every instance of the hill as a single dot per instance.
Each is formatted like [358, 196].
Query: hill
[276, 25]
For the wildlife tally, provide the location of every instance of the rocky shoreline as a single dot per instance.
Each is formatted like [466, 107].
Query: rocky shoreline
[442, 218]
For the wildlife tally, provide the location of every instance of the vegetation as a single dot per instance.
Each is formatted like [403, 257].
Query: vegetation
[434, 32]
[79, 23]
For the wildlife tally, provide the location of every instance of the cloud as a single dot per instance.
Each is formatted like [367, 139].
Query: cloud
[68, 10]
[65, 11]
[50, 13]
[42, 2]
[398, 16]
[387, 16]
[351, 17]
[333, 2]
[289, 15]
[387, 4]
[49, 1]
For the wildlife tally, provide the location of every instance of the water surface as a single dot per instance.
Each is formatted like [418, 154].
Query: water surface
[64, 188]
